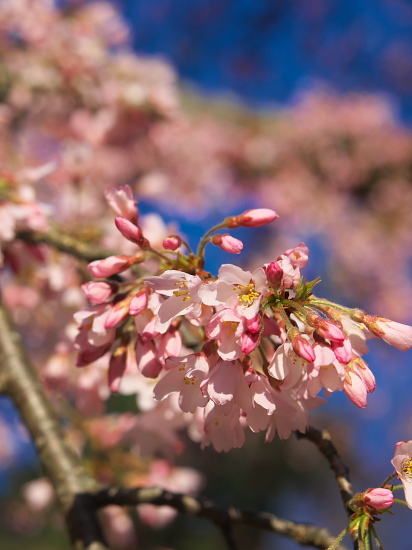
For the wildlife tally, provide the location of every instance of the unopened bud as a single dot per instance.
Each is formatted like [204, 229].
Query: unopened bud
[252, 218]
[228, 243]
[274, 274]
[301, 346]
[172, 243]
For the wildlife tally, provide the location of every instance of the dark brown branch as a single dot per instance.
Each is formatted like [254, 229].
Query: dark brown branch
[67, 244]
[306, 535]
[323, 441]
[18, 380]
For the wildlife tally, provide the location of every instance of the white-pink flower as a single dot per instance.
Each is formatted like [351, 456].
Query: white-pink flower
[228, 326]
[402, 462]
[236, 289]
[182, 290]
[226, 383]
[184, 376]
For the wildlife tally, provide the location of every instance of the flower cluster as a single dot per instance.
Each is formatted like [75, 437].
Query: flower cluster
[241, 349]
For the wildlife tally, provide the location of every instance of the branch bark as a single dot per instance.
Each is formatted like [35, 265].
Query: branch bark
[66, 243]
[306, 535]
[73, 485]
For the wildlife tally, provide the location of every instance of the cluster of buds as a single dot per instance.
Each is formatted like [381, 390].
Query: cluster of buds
[241, 349]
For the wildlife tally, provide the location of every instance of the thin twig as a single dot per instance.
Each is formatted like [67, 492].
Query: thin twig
[306, 535]
[66, 243]
[323, 440]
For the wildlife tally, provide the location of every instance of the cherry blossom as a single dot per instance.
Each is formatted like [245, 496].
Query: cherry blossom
[402, 462]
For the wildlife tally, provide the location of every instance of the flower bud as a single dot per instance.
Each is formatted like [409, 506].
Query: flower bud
[131, 231]
[301, 346]
[111, 265]
[274, 274]
[252, 218]
[97, 292]
[325, 328]
[172, 243]
[228, 243]
[378, 498]
[138, 303]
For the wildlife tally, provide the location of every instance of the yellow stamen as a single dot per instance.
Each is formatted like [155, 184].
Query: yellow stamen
[407, 468]
[246, 294]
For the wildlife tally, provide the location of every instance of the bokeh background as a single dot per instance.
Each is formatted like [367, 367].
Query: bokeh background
[303, 106]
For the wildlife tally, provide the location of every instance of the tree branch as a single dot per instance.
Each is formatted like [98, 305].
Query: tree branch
[66, 243]
[73, 485]
[306, 535]
[323, 441]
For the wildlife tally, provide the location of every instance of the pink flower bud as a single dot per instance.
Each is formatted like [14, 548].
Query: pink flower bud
[228, 243]
[252, 218]
[121, 201]
[393, 333]
[117, 314]
[147, 359]
[111, 265]
[325, 328]
[274, 274]
[301, 346]
[138, 303]
[131, 231]
[97, 292]
[378, 498]
[249, 342]
[117, 366]
[172, 243]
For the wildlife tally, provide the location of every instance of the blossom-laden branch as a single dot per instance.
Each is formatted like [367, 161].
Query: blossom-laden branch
[78, 493]
[73, 485]
[306, 535]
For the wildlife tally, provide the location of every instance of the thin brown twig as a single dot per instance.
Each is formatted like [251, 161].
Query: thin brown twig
[306, 535]
[66, 243]
[323, 440]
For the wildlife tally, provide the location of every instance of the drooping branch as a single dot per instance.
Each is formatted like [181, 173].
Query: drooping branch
[66, 243]
[306, 535]
[73, 485]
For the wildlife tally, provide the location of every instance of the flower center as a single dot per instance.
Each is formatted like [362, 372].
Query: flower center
[407, 468]
[183, 292]
[246, 294]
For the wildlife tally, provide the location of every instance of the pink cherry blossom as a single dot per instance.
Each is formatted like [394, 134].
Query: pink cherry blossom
[182, 290]
[184, 375]
[222, 428]
[402, 462]
[227, 326]
[236, 289]
[298, 255]
[122, 202]
[226, 382]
